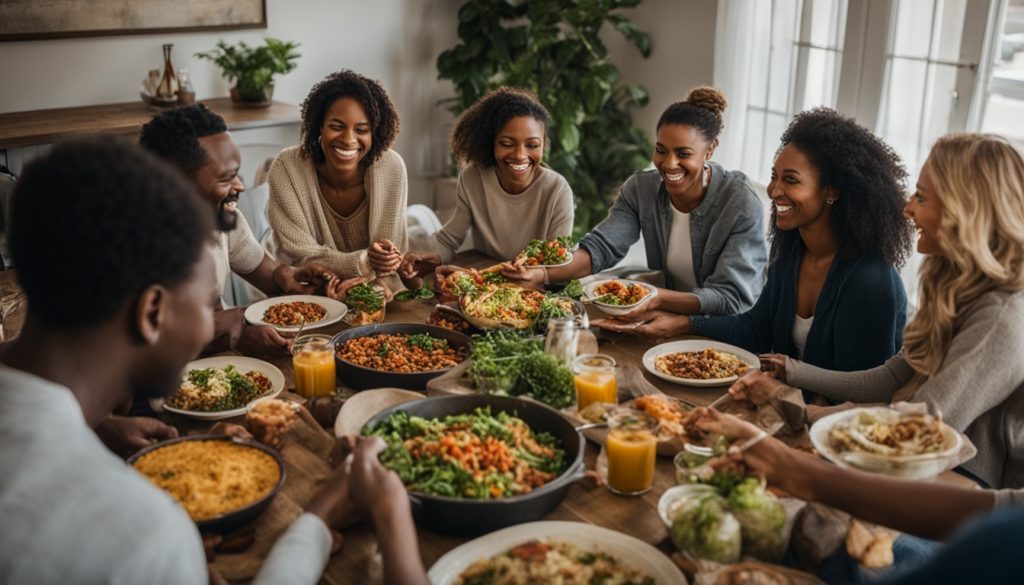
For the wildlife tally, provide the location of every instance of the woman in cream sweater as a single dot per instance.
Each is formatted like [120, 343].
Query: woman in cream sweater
[505, 194]
[339, 197]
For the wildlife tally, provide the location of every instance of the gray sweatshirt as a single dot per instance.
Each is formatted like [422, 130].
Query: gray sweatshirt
[979, 388]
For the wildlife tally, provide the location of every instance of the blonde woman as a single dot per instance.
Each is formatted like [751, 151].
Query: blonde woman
[963, 352]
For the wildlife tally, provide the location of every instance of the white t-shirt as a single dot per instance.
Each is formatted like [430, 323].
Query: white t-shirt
[679, 257]
[801, 327]
[236, 251]
[75, 513]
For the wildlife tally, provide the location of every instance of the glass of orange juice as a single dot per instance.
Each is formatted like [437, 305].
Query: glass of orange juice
[313, 362]
[630, 451]
[594, 377]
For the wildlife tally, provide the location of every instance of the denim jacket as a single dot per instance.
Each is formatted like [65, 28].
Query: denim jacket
[727, 237]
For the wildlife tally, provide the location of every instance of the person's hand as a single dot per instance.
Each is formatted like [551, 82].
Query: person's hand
[522, 276]
[711, 421]
[654, 324]
[263, 341]
[758, 387]
[228, 326]
[774, 364]
[416, 264]
[374, 487]
[231, 430]
[300, 281]
[125, 435]
[384, 257]
[333, 501]
[653, 303]
[337, 288]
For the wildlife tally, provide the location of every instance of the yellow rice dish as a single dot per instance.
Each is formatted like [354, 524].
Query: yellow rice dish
[210, 478]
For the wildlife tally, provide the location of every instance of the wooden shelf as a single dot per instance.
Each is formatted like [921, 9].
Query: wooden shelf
[18, 129]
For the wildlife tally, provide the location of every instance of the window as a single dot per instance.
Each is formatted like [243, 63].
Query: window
[1004, 104]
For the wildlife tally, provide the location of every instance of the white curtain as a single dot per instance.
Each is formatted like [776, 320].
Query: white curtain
[734, 46]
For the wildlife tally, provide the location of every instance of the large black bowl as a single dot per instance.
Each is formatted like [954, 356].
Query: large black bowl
[361, 378]
[470, 517]
[236, 519]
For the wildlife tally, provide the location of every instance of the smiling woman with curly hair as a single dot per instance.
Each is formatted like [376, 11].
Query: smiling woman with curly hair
[339, 197]
[834, 297]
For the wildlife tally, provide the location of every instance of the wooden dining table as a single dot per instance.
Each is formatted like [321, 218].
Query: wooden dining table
[307, 448]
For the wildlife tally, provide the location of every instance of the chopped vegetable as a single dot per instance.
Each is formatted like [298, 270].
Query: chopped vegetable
[545, 252]
[410, 294]
[475, 455]
[704, 527]
[761, 519]
[508, 362]
[365, 297]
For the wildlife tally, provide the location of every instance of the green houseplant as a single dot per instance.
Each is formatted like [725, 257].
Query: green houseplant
[252, 69]
[553, 48]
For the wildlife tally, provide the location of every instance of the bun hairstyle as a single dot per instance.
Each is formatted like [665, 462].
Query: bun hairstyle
[703, 108]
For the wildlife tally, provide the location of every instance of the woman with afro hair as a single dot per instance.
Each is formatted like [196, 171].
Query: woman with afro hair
[506, 194]
[339, 197]
[834, 297]
[702, 225]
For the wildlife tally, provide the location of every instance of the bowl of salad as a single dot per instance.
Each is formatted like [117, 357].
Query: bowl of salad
[546, 253]
[616, 296]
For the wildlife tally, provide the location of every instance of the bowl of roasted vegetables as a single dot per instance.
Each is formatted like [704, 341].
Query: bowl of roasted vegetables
[618, 296]
[476, 463]
[502, 306]
[397, 355]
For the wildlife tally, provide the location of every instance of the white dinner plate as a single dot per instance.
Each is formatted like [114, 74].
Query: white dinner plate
[590, 294]
[568, 259]
[243, 365]
[697, 345]
[627, 549]
[925, 466]
[335, 311]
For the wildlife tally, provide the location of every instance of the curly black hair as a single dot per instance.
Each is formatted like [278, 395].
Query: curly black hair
[867, 217]
[703, 109]
[473, 137]
[174, 136]
[369, 93]
[128, 219]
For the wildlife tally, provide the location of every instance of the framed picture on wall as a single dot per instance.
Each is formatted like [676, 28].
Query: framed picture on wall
[22, 20]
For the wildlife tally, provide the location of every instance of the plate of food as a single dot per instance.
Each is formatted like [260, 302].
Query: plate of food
[886, 440]
[525, 454]
[546, 253]
[466, 281]
[618, 296]
[400, 355]
[670, 415]
[221, 482]
[698, 362]
[546, 552]
[221, 387]
[366, 304]
[288, 313]
[502, 307]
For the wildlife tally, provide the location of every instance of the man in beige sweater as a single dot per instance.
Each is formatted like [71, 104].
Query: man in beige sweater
[196, 140]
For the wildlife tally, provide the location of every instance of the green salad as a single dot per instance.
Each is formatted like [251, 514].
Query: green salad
[476, 455]
[420, 293]
[512, 363]
[365, 297]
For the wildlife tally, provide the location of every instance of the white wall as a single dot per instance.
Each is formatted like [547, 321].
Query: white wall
[682, 53]
[395, 41]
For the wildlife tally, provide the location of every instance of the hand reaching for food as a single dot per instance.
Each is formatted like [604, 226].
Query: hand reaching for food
[758, 387]
[417, 264]
[337, 288]
[125, 435]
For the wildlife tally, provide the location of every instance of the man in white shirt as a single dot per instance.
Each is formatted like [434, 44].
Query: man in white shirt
[196, 140]
[122, 318]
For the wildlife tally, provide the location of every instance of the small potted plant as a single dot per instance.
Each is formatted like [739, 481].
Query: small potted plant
[252, 69]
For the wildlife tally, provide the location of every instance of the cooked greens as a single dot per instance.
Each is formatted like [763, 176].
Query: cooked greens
[419, 293]
[474, 455]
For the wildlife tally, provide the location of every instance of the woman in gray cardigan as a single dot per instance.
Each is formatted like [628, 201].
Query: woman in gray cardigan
[962, 352]
[710, 218]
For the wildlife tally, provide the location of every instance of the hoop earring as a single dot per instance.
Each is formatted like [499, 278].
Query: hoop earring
[830, 201]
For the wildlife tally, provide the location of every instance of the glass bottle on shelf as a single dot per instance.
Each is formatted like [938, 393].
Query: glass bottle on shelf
[561, 339]
[186, 95]
[168, 89]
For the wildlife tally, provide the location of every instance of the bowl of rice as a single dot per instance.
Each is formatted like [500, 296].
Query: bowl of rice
[223, 483]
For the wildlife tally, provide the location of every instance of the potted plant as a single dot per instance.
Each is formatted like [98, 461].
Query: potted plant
[252, 69]
[553, 47]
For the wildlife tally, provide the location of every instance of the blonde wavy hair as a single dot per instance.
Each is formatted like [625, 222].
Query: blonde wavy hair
[979, 179]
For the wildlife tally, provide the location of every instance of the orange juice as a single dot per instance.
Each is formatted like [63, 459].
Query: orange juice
[631, 449]
[313, 362]
[594, 387]
[595, 380]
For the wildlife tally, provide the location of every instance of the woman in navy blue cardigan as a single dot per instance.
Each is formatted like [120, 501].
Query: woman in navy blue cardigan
[833, 297]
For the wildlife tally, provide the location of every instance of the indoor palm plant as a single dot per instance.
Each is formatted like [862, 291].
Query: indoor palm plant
[553, 48]
[252, 69]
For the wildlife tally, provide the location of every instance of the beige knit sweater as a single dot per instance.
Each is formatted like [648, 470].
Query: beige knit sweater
[302, 227]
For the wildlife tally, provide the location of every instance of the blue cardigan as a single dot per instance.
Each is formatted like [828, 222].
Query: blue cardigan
[858, 319]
